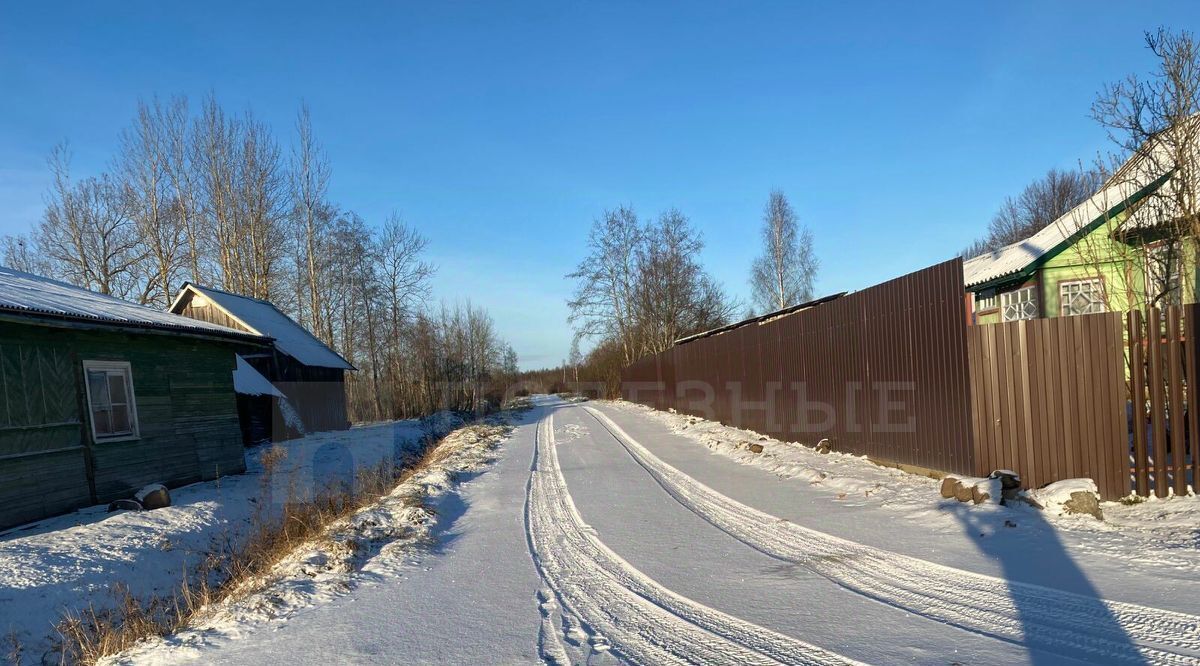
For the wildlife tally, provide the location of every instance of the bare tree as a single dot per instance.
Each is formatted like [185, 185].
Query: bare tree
[602, 302]
[87, 233]
[783, 275]
[178, 135]
[575, 358]
[404, 274]
[674, 296]
[210, 197]
[310, 172]
[215, 153]
[1038, 205]
[263, 197]
[642, 286]
[143, 167]
[21, 253]
[1153, 122]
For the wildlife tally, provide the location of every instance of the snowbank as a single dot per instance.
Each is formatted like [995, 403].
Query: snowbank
[373, 541]
[73, 560]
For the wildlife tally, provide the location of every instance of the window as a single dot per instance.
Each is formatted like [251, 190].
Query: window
[110, 400]
[1019, 304]
[1078, 297]
[984, 304]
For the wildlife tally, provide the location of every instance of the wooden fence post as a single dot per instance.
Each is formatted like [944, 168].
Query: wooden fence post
[1193, 376]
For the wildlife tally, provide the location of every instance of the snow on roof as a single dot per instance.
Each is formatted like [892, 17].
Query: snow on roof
[263, 318]
[1012, 259]
[35, 295]
[248, 381]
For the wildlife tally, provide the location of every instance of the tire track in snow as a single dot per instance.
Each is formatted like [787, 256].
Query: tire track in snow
[641, 620]
[1036, 616]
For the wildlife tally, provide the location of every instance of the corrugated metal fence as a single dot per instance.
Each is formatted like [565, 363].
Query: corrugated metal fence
[881, 372]
[893, 372]
[1048, 400]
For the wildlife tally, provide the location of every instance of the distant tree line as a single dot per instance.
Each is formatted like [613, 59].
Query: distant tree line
[641, 286]
[204, 195]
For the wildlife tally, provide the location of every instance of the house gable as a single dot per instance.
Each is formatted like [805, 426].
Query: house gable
[259, 317]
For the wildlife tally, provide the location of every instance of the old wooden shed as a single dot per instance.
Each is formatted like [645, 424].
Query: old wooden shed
[99, 397]
[310, 376]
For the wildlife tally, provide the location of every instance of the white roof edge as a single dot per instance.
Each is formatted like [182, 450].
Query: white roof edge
[1015, 257]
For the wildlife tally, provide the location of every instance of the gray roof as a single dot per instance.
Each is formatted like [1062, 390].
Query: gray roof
[41, 297]
[263, 318]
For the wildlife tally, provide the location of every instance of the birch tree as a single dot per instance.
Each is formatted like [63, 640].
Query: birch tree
[783, 275]
[313, 214]
[602, 302]
[642, 286]
[143, 168]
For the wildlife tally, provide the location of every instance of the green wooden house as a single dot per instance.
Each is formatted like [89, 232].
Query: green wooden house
[99, 397]
[1105, 255]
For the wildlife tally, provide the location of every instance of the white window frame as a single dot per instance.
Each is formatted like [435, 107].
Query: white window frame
[1065, 284]
[1008, 298]
[111, 367]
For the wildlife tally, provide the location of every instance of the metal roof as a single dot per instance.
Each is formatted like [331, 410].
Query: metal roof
[263, 318]
[30, 295]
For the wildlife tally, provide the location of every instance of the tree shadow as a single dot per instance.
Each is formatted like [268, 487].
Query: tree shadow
[1061, 612]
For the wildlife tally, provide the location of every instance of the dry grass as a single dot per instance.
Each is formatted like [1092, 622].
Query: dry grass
[234, 571]
[12, 649]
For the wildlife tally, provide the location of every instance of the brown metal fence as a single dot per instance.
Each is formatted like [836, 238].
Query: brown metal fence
[893, 372]
[1048, 400]
[881, 372]
[1162, 371]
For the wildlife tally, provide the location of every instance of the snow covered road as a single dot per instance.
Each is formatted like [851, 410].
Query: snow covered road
[600, 537]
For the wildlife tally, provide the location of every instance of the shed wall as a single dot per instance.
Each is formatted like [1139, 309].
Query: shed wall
[187, 416]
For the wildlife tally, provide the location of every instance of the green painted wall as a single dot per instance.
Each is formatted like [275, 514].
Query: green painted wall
[1121, 267]
[1096, 255]
[186, 409]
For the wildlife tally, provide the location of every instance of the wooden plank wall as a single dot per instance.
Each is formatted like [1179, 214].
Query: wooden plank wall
[881, 372]
[186, 410]
[1162, 371]
[42, 455]
[1048, 400]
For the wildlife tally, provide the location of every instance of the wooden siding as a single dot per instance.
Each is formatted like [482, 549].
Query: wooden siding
[317, 394]
[186, 411]
[209, 313]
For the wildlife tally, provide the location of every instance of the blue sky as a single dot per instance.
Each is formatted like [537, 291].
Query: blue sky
[501, 130]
